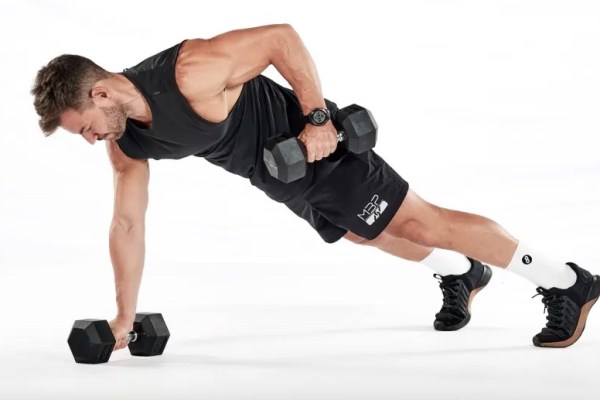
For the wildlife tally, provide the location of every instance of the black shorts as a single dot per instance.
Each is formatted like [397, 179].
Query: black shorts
[361, 195]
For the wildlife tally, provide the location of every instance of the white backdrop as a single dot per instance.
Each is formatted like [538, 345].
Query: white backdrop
[484, 106]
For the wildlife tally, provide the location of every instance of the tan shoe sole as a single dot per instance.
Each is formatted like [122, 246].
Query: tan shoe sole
[585, 310]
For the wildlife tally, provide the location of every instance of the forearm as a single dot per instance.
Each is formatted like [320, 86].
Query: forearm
[127, 249]
[296, 65]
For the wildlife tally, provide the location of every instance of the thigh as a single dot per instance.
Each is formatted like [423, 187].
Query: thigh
[362, 194]
[328, 231]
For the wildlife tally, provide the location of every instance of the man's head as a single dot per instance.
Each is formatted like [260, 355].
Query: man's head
[74, 93]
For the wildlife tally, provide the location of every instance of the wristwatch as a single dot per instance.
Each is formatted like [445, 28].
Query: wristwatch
[318, 117]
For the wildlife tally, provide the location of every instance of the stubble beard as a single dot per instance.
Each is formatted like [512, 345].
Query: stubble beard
[116, 120]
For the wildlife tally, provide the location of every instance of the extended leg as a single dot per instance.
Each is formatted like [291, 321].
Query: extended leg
[460, 278]
[568, 291]
[472, 235]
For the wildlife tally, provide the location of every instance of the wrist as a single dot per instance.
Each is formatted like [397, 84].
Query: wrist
[126, 318]
[307, 109]
[319, 116]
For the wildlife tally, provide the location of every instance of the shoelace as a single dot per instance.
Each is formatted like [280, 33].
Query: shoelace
[557, 311]
[452, 294]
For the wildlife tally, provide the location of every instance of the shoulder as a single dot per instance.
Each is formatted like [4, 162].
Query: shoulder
[201, 70]
[192, 53]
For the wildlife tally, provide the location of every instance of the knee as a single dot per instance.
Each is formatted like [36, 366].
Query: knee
[433, 231]
[416, 232]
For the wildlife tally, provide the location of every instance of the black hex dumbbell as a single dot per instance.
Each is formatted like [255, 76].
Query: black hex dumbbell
[92, 342]
[285, 156]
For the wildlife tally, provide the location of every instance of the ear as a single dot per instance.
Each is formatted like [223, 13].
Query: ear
[101, 95]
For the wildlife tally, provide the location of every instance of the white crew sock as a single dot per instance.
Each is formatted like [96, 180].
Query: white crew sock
[540, 270]
[446, 262]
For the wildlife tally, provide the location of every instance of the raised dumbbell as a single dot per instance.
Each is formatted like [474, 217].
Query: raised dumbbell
[92, 341]
[285, 156]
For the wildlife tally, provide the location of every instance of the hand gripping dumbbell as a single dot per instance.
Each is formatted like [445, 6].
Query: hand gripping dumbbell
[92, 341]
[285, 156]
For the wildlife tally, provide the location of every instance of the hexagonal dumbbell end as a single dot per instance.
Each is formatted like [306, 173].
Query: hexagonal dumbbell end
[359, 126]
[285, 158]
[152, 335]
[91, 341]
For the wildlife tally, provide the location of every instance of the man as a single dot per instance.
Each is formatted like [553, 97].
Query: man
[208, 98]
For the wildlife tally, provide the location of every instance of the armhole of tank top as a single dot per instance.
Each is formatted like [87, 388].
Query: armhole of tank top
[184, 101]
[173, 78]
[123, 149]
[130, 146]
[172, 73]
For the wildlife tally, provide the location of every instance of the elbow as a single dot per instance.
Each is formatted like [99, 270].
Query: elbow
[126, 225]
[285, 38]
[286, 32]
[286, 28]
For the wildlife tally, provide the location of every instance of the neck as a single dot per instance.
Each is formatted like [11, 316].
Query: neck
[132, 99]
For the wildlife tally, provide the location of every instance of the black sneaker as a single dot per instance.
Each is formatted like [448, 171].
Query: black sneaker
[458, 291]
[567, 309]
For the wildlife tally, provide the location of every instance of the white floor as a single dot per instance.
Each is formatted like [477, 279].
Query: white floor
[489, 107]
[313, 351]
[355, 326]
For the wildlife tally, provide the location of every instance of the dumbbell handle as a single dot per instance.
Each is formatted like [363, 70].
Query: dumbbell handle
[132, 336]
[341, 136]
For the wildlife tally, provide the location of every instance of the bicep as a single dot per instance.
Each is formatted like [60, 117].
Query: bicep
[131, 178]
[131, 197]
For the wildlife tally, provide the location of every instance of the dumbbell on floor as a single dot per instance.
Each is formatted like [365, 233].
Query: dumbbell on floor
[285, 156]
[91, 340]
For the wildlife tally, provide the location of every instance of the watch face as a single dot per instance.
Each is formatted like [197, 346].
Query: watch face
[319, 117]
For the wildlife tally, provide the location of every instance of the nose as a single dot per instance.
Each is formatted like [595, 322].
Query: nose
[90, 137]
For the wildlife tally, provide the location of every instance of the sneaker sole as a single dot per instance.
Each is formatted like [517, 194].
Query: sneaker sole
[487, 275]
[585, 310]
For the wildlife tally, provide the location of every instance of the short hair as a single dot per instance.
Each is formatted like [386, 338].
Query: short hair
[65, 83]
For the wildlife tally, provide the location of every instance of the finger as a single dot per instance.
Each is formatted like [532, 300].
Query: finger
[121, 343]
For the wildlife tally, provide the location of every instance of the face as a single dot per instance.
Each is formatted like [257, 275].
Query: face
[96, 123]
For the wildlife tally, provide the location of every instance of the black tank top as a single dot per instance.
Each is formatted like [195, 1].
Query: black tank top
[236, 144]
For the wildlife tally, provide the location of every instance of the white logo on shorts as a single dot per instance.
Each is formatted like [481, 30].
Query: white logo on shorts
[373, 210]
